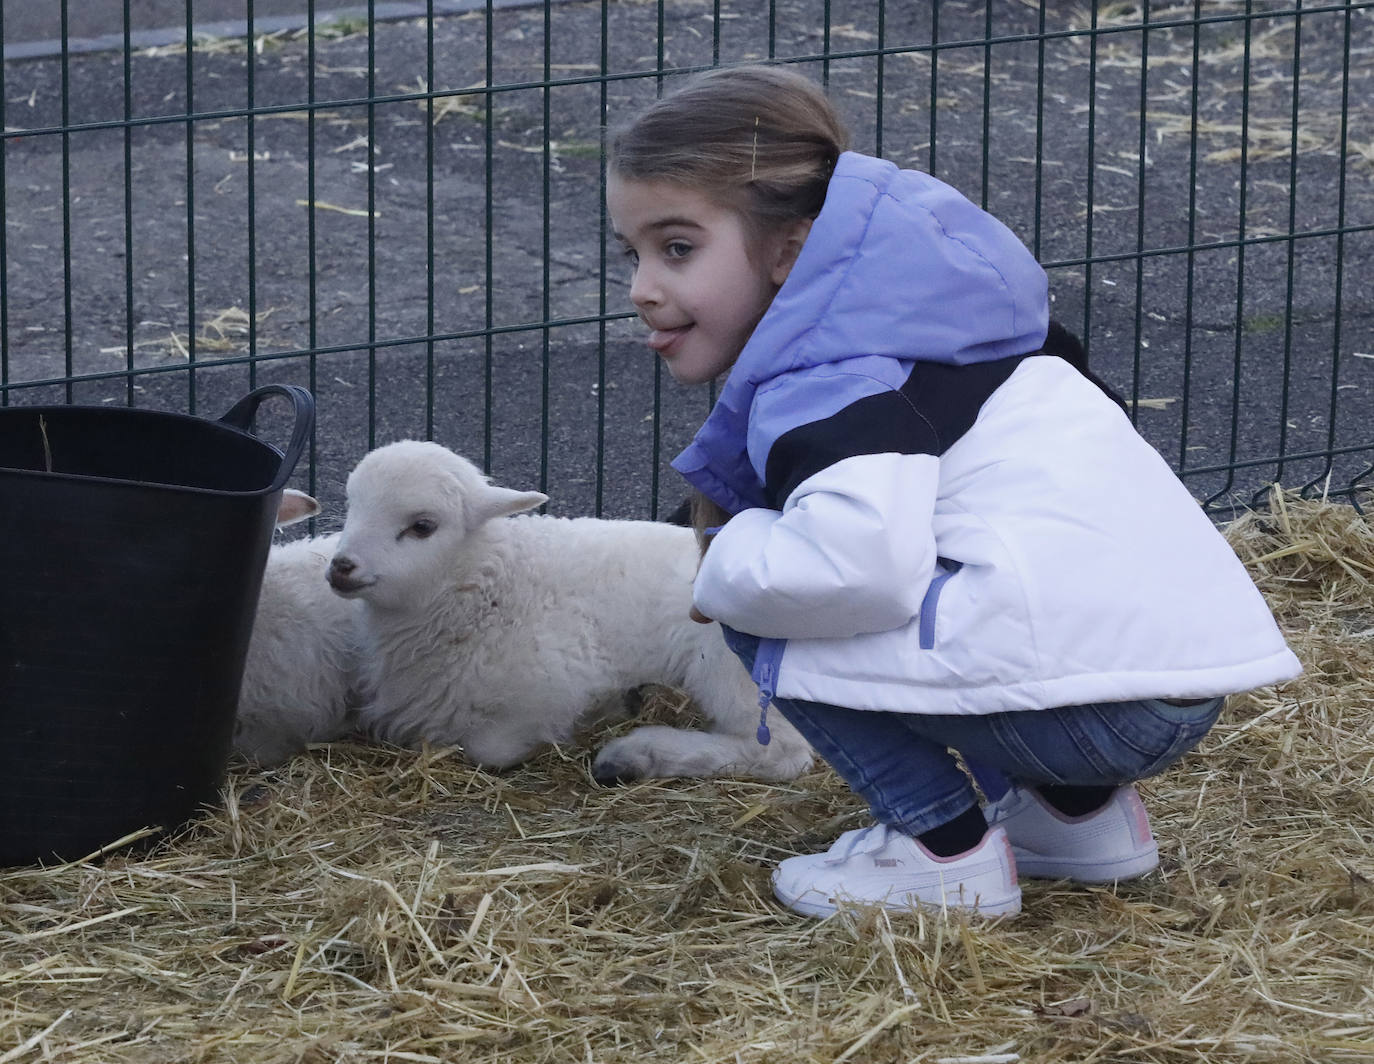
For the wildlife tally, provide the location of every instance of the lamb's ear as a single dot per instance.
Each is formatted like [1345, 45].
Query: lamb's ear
[295, 506]
[493, 502]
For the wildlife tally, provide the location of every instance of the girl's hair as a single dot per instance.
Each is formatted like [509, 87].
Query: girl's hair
[760, 139]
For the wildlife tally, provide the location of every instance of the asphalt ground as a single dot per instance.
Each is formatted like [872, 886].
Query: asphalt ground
[1236, 351]
[34, 30]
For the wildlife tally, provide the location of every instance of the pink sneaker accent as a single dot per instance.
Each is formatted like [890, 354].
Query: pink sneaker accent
[1110, 844]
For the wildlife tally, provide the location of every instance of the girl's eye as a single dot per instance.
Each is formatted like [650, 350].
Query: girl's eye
[631, 256]
[678, 249]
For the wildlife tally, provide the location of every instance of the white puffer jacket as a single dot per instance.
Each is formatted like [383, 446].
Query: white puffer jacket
[930, 516]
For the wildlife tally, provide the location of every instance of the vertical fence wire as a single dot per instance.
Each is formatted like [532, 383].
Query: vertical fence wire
[1142, 148]
[1090, 184]
[430, 257]
[312, 295]
[985, 183]
[546, 249]
[128, 161]
[250, 151]
[879, 77]
[602, 303]
[1190, 273]
[4, 227]
[191, 352]
[656, 411]
[1338, 292]
[1292, 243]
[489, 264]
[933, 115]
[371, 224]
[825, 43]
[1037, 224]
[1242, 229]
[68, 348]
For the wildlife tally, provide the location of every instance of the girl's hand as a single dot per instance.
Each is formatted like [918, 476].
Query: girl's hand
[698, 616]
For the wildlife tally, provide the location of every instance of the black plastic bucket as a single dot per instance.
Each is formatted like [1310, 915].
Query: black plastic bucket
[132, 544]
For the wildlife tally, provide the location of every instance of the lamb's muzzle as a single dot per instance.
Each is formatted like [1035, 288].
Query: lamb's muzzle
[341, 578]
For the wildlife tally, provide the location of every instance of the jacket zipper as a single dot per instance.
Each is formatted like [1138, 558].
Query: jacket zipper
[766, 664]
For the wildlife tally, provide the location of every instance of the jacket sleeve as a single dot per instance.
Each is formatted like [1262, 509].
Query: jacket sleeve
[851, 551]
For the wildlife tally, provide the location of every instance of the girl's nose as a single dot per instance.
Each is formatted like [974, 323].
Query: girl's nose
[643, 288]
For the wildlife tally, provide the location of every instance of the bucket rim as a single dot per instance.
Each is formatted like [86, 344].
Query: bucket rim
[286, 459]
[140, 485]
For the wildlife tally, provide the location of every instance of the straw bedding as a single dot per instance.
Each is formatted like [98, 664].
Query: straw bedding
[365, 904]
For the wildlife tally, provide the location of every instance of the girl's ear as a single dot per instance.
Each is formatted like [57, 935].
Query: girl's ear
[788, 247]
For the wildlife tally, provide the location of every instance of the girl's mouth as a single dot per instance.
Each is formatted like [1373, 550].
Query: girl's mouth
[661, 340]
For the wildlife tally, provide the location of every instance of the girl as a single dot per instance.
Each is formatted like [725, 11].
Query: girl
[936, 536]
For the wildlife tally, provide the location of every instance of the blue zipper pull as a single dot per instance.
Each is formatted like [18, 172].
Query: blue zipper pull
[765, 699]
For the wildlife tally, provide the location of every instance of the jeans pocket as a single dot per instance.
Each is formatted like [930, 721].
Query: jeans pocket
[1142, 739]
[930, 602]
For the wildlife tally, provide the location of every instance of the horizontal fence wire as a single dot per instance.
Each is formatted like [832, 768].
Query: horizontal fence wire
[400, 206]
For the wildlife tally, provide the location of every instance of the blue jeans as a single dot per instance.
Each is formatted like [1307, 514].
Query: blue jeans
[901, 763]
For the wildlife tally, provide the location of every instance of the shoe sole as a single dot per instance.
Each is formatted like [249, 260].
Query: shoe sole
[806, 906]
[1095, 871]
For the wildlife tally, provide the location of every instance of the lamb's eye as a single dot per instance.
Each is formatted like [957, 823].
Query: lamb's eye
[422, 528]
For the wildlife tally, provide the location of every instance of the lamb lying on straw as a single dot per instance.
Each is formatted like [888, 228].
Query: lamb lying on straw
[503, 634]
[300, 680]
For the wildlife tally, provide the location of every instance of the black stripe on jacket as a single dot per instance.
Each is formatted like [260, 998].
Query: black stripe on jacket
[932, 409]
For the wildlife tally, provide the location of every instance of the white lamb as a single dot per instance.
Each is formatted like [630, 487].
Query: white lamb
[300, 679]
[503, 634]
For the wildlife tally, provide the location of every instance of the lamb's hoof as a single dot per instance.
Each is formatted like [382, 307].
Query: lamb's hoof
[612, 771]
[635, 699]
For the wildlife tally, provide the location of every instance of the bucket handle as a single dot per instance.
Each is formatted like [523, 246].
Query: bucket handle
[242, 413]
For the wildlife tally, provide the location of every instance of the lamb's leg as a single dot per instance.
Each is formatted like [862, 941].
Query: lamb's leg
[721, 688]
[656, 751]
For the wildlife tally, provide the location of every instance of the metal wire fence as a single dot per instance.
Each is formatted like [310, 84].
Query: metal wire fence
[399, 206]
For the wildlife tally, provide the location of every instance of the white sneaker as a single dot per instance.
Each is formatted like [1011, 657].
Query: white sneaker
[883, 866]
[1110, 844]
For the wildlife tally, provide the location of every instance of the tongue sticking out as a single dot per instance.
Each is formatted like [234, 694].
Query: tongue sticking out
[660, 339]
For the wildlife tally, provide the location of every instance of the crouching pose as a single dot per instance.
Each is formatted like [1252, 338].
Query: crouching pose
[937, 535]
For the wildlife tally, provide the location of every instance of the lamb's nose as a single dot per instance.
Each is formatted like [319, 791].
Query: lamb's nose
[341, 565]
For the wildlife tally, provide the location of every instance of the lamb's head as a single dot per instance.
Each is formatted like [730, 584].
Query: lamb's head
[411, 507]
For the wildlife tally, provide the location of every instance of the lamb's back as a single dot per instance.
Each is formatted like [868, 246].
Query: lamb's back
[619, 575]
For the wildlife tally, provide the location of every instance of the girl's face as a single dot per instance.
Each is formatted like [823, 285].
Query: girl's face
[701, 280]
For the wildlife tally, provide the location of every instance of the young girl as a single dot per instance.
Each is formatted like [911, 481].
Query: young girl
[937, 536]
